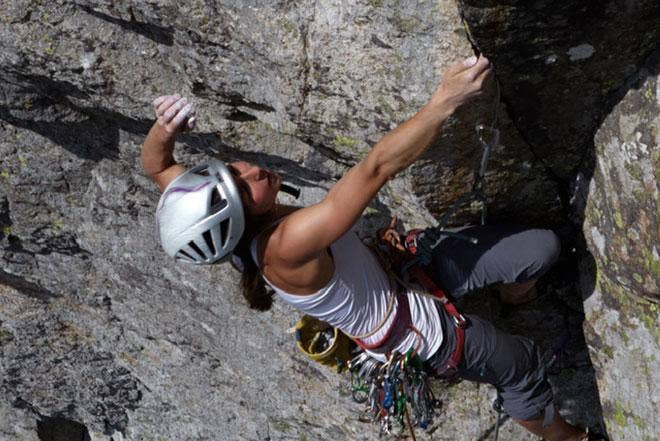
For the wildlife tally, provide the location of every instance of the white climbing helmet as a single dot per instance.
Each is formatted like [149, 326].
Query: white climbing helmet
[200, 214]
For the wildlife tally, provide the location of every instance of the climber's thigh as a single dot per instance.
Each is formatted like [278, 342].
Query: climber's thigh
[504, 253]
[511, 363]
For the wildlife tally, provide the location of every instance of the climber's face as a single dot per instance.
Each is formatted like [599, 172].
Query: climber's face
[258, 186]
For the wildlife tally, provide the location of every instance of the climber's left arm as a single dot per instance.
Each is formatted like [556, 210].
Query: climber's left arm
[174, 115]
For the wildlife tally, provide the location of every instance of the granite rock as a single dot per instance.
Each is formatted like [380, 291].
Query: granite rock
[102, 337]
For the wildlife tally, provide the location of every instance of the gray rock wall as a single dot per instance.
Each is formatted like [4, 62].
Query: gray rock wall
[100, 334]
[622, 229]
[102, 337]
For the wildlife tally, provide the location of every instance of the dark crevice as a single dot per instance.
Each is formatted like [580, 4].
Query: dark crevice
[61, 429]
[562, 184]
[305, 70]
[380, 43]
[64, 243]
[240, 116]
[26, 287]
[5, 218]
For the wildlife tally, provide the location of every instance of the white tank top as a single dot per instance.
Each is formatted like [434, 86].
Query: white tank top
[356, 297]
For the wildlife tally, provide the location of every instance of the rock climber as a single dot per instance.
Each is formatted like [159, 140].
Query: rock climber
[310, 258]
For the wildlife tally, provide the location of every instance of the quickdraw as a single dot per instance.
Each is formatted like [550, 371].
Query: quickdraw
[389, 389]
[427, 240]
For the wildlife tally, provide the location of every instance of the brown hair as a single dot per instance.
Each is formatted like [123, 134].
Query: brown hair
[259, 296]
[253, 287]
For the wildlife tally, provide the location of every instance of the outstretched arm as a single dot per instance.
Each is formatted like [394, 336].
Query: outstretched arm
[309, 231]
[174, 115]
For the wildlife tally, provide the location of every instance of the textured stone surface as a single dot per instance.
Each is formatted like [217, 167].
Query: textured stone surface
[103, 337]
[581, 85]
[564, 66]
[98, 327]
[622, 229]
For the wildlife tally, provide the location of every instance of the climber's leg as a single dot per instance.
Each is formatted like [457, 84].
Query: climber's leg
[511, 255]
[517, 293]
[557, 429]
[513, 365]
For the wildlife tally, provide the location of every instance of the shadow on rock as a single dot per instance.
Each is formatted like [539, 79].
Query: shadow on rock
[159, 34]
[50, 108]
[59, 111]
[291, 171]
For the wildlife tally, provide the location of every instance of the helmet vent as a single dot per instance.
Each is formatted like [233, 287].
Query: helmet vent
[203, 172]
[209, 241]
[195, 248]
[182, 253]
[224, 231]
[217, 201]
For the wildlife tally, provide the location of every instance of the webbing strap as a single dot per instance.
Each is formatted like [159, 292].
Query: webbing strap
[429, 285]
[459, 321]
[402, 322]
[549, 415]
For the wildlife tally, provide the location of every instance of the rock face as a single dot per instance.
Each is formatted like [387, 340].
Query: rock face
[102, 337]
[562, 66]
[584, 95]
[621, 227]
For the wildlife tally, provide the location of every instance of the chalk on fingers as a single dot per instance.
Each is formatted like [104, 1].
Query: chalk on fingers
[158, 101]
[182, 115]
[176, 108]
[469, 62]
[165, 105]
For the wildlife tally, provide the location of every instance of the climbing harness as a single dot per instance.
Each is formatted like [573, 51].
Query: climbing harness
[387, 388]
[402, 381]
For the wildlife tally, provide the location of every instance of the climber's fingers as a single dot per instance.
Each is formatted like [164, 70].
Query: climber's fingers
[174, 113]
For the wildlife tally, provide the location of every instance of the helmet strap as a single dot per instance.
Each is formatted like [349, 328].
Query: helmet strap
[290, 190]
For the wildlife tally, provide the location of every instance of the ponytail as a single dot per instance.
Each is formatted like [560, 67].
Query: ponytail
[259, 296]
[253, 287]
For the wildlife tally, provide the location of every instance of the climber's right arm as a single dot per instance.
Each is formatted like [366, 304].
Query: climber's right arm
[174, 115]
[305, 235]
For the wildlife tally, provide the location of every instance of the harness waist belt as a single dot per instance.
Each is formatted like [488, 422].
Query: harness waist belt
[460, 323]
[397, 331]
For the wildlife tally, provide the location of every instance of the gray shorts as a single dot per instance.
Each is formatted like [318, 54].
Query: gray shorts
[510, 363]
[505, 253]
